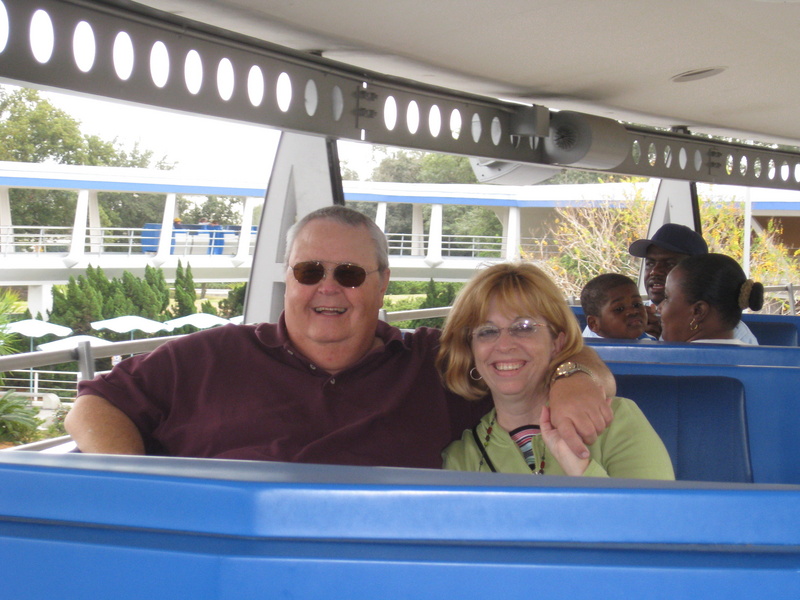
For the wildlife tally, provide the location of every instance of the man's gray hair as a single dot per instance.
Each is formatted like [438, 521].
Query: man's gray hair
[345, 216]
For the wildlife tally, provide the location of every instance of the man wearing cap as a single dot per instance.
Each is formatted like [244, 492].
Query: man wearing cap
[669, 246]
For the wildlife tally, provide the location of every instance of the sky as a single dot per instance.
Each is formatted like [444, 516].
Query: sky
[196, 144]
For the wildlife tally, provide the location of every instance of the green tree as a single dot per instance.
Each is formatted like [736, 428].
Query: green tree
[413, 166]
[146, 302]
[119, 303]
[208, 307]
[401, 167]
[18, 420]
[77, 305]
[438, 294]
[47, 208]
[155, 279]
[348, 174]
[10, 343]
[34, 130]
[446, 168]
[185, 294]
[93, 297]
[583, 242]
[130, 210]
[224, 209]
[428, 167]
[96, 278]
[233, 304]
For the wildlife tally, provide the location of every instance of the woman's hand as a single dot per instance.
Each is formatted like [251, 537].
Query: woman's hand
[558, 448]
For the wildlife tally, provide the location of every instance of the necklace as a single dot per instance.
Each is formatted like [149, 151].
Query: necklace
[522, 436]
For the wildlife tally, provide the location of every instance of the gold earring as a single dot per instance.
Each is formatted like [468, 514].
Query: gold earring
[693, 325]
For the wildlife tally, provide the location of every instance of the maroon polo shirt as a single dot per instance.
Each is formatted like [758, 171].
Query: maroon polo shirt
[241, 391]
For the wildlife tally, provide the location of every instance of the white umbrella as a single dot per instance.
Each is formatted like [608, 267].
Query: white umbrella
[131, 323]
[72, 342]
[237, 320]
[34, 328]
[37, 328]
[199, 320]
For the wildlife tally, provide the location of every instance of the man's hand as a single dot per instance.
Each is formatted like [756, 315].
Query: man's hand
[97, 426]
[653, 321]
[580, 405]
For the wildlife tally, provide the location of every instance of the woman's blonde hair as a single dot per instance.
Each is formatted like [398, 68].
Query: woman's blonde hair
[520, 289]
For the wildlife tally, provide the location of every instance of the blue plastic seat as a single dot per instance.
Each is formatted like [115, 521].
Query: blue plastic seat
[701, 420]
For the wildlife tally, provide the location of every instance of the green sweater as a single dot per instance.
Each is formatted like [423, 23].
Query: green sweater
[628, 448]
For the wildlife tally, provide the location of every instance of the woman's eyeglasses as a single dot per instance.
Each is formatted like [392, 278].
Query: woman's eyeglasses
[521, 328]
[311, 272]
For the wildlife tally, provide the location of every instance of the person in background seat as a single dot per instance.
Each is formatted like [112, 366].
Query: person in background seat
[704, 299]
[671, 244]
[614, 308]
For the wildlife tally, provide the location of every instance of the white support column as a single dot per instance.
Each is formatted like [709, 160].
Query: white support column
[501, 212]
[434, 256]
[77, 248]
[417, 231]
[380, 216]
[6, 225]
[40, 300]
[95, 235]
[165, 238]
[246, 232]
[747, 231]
[512, 234]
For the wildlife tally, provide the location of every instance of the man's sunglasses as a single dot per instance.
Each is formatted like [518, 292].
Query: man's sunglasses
[311, 272]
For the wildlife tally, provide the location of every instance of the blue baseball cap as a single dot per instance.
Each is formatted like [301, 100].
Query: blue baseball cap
[672, 237]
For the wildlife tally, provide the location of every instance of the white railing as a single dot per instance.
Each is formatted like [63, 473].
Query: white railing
[37, 382]
[86, 356]
[455, 246]
[787, 289]
[131, 241]
[136, 241]
[35, 240]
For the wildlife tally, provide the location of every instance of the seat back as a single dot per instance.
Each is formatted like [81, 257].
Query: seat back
[701, 420]
[694, 354]
[755, 320]
[774, 333]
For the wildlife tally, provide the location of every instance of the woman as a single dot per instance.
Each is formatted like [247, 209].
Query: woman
[703, 300]
[509, 329]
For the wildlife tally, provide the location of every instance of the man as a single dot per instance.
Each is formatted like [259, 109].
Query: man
[328, 383]
[670, 245]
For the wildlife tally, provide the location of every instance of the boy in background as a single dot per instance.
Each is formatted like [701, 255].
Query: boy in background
[614, 308]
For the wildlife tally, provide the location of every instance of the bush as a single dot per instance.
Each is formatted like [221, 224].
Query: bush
[18, 422]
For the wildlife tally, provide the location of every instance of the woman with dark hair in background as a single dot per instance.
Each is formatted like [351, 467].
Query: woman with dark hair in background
[704, 297]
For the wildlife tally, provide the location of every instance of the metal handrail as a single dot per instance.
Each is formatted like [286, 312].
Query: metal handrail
[85, 354]
[789, 289]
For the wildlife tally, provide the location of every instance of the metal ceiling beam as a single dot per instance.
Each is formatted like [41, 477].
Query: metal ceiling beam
[160, 60]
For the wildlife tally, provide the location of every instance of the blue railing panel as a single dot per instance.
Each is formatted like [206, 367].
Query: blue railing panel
[131, 527]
